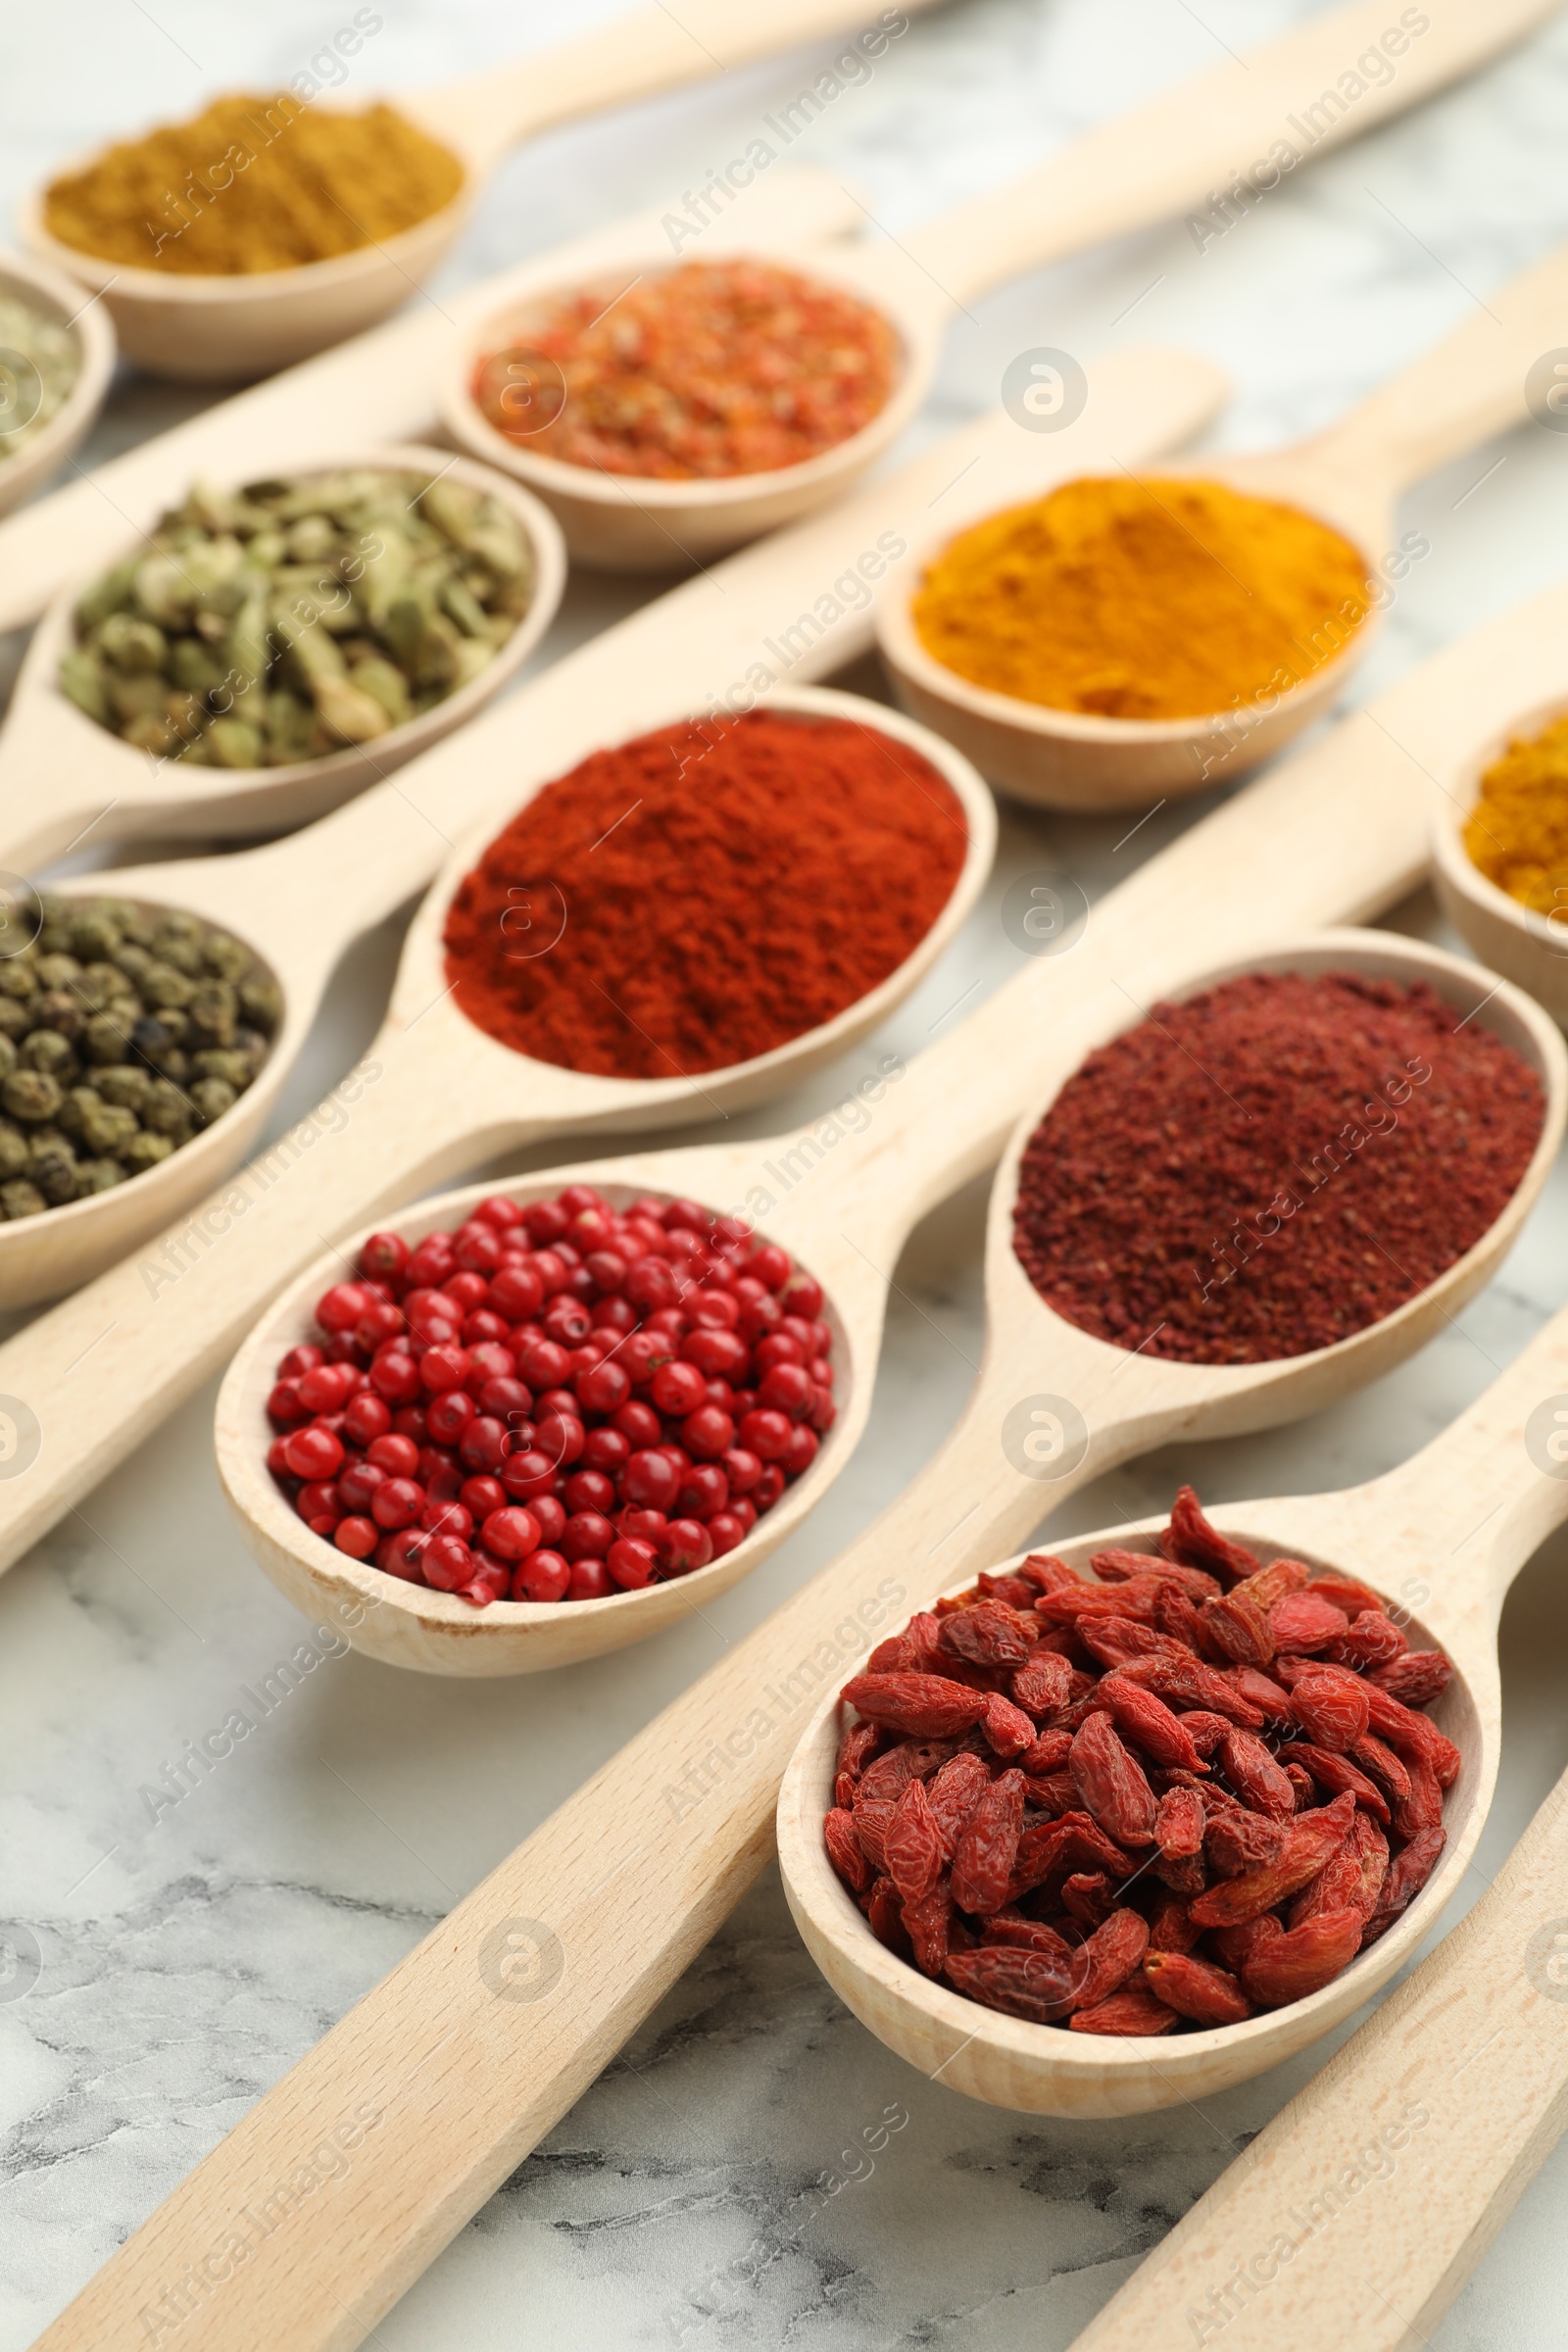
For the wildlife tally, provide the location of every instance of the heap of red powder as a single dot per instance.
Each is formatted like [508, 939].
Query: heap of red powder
[704, 894]
[1271, 1166]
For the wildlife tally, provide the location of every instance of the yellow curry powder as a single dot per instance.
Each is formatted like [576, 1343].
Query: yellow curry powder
[254, 184]
[1517, 833]
[1156, 599]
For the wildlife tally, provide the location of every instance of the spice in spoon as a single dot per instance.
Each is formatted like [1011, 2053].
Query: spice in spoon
[279, 622]
[1517, 832]
[558, 1403]
[253, 183]
[703, 371]
[125, 1031]
[1145, 600]
[1181, 1789]
[1272, 1165]
[39, 364]
[704, 894]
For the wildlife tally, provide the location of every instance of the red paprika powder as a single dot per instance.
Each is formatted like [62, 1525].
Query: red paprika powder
[700, 895]
[1271, 1166]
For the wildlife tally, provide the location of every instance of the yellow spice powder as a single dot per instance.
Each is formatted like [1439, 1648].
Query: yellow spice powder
[254, 183]
[1517, 833]
[1156, 599]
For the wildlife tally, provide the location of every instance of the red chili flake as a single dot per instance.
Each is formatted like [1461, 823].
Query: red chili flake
[1047, 1821]
[1271, 1166]
[708, 370]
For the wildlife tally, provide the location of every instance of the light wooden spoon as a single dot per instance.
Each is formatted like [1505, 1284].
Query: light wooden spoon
[224, 329]
[59, 299]
[62, 777]
[1153, 160]
[1472, 386]
[1414, 1534]
[355, 867]
[478, 2041]
[1361, 2209]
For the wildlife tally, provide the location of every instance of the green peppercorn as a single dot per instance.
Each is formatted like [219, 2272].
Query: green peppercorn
[261, 1002]
[145, 1150]
[213, 1012]
[167, 1110]
[94, 934]
[57, 970]
[21, 1200]
[54, 1172]
[46, 1050]
[211, 1097]
[224, 1062]
[19, 977]
[15, 1021]
[97, 1176]
[162, 984]
[74, 1110]
[60, 1009]
[30, 1095]
[107, 1130]
[108, 1034]
[123, 1082]
[8, 1056]
[12, 1150]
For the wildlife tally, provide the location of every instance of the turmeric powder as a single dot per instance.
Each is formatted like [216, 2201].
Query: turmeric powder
[1517, 832]
[253, 183]
[1147, 600]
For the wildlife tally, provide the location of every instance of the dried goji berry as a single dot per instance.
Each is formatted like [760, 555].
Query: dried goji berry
[1380, 1763]
[1113, 1786]
[1170, 1930]
[1345, 1592]
[1235, 1946]
[857, 1749]
[1350, 1880]
[1040, 1684]
[1303, 1783]
[884, 1913]
[1020, 1984]
[926, 1704]
[1179, 1616]
[1046, 1572]
[1195, 1988]
[1240, 1628]
[1309, 1839]
[1372, 1638]
[1007, 1729]
[988, 1847]
[954, 1793]
[987, 1635]
[1029, 1934]
[913, 1845]
[1134, 2015]
[1409, 1734]
[1185, 1682]
[1047, 1753]
[1179, 1822]
[1331, 1715]
[1118, 1641]
[1016, 1590]
[1254, 1775]
[1422, 1808]
[1204, 1731]
[1302, 1960]
[844, 1852]
[1261, 1691]
[1116, 1565]
[1407, 1873]
[871, 1817]
[1193, 1541]
[1239, 1842]
[1050, 1791]
[1074, 1842]
[1305, 1622]
[1145, 1718]
[1337, 1774]
[928, 1923]
[1104, 1963]
[891, 1656]
[1414, 1679]
[1090, 1897]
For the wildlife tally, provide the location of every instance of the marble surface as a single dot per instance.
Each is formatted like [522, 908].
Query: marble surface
[185, 1963]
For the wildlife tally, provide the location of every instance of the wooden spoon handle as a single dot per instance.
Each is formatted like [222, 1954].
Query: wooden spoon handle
[1258, 115]
[637, 56]
[1480, 380]
[1358, 2212]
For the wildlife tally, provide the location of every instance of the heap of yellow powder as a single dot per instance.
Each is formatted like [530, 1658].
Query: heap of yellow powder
[1159, 599]
[254, 183]
[1517, 832]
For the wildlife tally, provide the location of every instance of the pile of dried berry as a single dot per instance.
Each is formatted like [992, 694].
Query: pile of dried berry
[1193, 1790]
[557, 1402]
[123, 1031]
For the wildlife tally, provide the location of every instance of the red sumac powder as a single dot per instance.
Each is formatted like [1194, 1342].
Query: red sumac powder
[700, 895]
[1271, 1166]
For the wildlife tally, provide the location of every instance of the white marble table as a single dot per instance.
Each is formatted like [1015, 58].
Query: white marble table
[186, 1962]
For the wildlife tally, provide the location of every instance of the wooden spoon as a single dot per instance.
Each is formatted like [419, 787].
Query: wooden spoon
[1405, 1534]
[98, 784]
[482, 2036]
[59, 299]
[1472, 386]
[384, 384]
[95, 784]
[1358, 2212]
[1147, 162]
[355, 867]
[224, 329]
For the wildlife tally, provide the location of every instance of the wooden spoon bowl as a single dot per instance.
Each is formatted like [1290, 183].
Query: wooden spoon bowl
[94, 783]
[1350, 478]
[1046, 2069]
[629, 523]
[57, 297]
[1528, 947]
